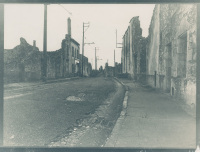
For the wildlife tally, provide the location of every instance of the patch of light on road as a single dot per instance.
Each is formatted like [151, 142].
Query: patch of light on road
[16, 96]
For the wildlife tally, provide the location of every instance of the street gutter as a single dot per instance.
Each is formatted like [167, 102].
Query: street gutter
[94, 130]
[111, 141]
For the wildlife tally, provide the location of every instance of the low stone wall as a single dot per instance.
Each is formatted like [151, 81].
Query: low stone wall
[11, 76]
[160, 81]
[141, 78]
[184, 89]
[150, 79]
[181, 88]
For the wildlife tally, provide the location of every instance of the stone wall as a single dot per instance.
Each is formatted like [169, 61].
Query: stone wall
[22, 63]
[134, 50]
[75, 61]
[117, 69]
[55, 64]
[109, 71]
[153, 43]
[152, 53]
[87, 67]
[172, 50]
[25, 62]
[71, 57]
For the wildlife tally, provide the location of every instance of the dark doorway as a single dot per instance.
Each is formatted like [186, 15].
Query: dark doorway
[168, 67]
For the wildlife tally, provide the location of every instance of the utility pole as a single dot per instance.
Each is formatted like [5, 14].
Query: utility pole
[83, 49]
[44, 74]
[114, 51]
[114, 58]
[83, 43]
[198, 78]
[96, 49]
[116, 42]
[95, 59]
[1, 72]
[114, 63]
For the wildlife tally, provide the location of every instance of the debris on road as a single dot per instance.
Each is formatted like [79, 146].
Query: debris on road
[73, 98]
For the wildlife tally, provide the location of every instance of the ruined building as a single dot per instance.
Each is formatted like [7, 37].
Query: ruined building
[133, 57]
[171, 50]
[24, 62]
[67, 61]
[166, 59]
[64, 62]
[71, 51]
[87, 67]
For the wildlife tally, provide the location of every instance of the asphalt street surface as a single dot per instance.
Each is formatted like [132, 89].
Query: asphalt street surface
[36, 114]
[87, 112]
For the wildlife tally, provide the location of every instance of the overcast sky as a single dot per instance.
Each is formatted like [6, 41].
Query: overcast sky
[27, 20]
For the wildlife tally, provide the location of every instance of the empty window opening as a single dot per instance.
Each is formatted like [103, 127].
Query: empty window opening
[182, 54]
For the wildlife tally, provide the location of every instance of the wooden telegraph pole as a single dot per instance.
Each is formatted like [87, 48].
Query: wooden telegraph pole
[83, 43]
[114, 64]
[96, 49]
[95, 58]
[44, 71]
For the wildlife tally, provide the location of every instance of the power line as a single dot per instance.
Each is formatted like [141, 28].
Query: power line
[65, 9]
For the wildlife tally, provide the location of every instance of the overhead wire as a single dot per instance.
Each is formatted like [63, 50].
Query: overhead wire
[65, 9]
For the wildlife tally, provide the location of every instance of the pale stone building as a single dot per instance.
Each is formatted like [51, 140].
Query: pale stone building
[171, 50]
[133, 56]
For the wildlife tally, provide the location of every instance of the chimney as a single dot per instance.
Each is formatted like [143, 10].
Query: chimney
[69, 26]
[34, 43]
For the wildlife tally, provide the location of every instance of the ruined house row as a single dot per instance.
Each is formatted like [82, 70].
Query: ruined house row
[25, 62]
[133, 50]
[166, 59]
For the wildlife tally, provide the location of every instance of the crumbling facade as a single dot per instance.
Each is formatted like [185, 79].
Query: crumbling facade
[71, 59]
[22, 63]
[70, 49]
[109, 70]
[171, 50]
[87, 67]
[133, 57]
[25, 62]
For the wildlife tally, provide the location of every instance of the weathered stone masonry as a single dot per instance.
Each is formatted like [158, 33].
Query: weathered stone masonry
[24, 62]
[134, 50]
[171, 50]
[152, 52]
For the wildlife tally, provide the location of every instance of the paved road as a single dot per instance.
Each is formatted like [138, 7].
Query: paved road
[96, 128]
[153, 120]
[37, 113]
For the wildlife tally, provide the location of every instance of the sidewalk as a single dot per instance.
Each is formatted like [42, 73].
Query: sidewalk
[152, 120]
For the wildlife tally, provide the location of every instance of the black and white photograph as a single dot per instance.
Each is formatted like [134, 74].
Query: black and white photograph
[100, 75]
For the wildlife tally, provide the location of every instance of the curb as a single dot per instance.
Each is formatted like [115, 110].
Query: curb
[126, 87]
[125, 101]
[111, 141]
